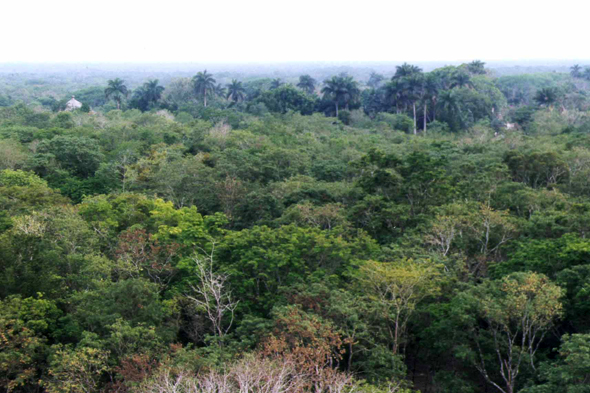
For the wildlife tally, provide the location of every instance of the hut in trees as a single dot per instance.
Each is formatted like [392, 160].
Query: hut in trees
[73, 104]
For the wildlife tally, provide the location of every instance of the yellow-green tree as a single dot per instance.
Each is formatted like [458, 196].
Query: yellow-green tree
[76, 370]
[518, 310]
[396, 288]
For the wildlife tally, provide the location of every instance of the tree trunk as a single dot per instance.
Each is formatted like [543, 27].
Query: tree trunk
[349, 356]
[414, 108]
[205, 99]
[336, 109]
[425, 116]
[395, 337]
[433, 110]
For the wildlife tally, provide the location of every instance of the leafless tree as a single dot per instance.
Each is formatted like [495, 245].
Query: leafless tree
[212, 294]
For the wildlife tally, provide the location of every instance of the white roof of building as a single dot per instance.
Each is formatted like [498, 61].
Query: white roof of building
[73, 104]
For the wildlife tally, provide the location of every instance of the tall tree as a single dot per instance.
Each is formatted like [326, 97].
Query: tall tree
[147, 95]
[393, 94]
[406, 70]
[517, 311]
[411, 78]
[219, 90]
[396, 288]
[352, 90]
[204, 85]
[450, 108]
[276, 83]
[153, 91]
[547, 96]
[307, 84]
[235, 91]
[431, 89]
[116, 89]
[461, 79]
[414, 92]
[476, 67]
[341, 90]
[576, 71]
[375, 80]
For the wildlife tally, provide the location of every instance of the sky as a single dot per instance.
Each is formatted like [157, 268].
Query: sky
[266, 31]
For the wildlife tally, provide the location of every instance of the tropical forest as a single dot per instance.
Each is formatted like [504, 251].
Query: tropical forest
[364, 228]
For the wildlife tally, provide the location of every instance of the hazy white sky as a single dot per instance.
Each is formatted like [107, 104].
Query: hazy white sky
[298, 30]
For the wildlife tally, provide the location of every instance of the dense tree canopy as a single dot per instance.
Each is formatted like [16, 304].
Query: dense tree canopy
[401, 231]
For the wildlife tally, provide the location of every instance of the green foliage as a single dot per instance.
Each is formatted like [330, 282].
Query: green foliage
[398, 122]
[287, 98]
[10, 178]
[261, 261]
[25, 325]
[570, 373]
[79, 155]
[413, 243]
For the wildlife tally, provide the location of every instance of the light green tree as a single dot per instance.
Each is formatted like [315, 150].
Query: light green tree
[517, 311]
[396, 288]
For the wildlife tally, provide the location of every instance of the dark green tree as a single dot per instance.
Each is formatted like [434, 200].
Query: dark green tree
[220, 91]
[406, 70]
[147, 95]
[341, 90]
[116, 89]
[461, 79]
[410, 80]
[547, 96]
[204, 85]
[235, 91]
[375, 80]
[307, 84]
[576, 71]
[153, 91]
[477, 67]
[276, 83]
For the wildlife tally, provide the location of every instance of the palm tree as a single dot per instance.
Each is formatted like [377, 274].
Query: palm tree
[406, 70]
[334, 89]
[447, 102]
[394, 93]
[477, 67]
[341, 89]
[431, 88]
[143, 96]
[219, 90]
[236, 91]
[307, 84]
[461, 79]
[352, 90]
[152, 91]
[204, 85]
[375, 80]
[413, 91]
[547, 96]
[276, 83]
[116, 88]
[411, 79]
[576, 71]
[586, 73]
